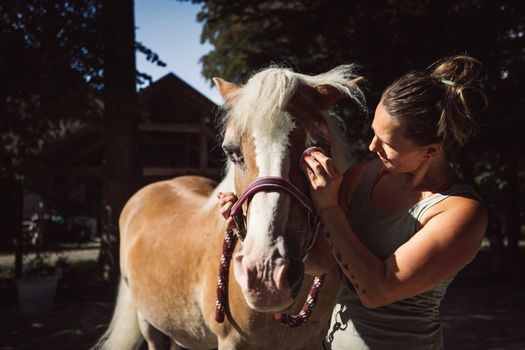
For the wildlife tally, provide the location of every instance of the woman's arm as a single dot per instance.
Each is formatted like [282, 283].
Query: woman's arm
[441, 247]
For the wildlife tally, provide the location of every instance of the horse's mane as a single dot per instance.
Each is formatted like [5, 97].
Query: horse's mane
[257, 105]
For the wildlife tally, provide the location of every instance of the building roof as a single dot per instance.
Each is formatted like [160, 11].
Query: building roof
[171, 99]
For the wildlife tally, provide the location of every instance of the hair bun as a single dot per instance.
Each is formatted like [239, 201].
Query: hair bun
[462, 70]
[460, 74]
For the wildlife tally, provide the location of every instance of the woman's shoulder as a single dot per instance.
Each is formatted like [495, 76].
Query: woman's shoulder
[461, 202]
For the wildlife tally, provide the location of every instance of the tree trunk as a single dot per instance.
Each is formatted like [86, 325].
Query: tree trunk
[512, 222]
[121, 168]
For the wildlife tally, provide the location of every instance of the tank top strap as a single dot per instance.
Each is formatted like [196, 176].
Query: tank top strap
[465, 190]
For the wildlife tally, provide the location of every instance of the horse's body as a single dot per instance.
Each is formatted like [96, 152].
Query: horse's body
[171, 243]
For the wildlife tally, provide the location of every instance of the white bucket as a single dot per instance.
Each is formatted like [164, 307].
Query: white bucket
[36, 294]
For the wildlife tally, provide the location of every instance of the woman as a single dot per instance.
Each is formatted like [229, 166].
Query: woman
[402, 225]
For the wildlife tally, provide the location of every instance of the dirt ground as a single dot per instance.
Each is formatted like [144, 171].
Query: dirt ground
[478, 313]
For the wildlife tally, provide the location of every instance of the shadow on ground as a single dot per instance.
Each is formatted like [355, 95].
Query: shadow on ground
[484, 317]
[482, 310]
[82, 309]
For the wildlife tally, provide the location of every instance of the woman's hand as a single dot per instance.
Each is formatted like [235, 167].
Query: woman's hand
[227, 200]
[325, 180]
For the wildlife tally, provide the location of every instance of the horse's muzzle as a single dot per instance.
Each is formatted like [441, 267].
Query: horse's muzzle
[269, 287]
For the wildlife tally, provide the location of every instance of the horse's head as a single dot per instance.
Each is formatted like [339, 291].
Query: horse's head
[268, 124]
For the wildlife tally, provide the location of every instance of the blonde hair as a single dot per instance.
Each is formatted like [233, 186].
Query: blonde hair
[436, 105]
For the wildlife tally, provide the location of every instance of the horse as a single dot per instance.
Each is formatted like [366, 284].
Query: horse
[172, 232]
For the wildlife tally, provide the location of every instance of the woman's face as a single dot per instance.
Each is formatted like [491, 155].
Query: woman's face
[397, 152]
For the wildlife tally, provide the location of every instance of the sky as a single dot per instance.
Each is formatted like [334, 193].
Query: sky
[170, 29]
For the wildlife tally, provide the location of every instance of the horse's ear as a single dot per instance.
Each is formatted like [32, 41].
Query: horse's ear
[227, 90]
[329, 95]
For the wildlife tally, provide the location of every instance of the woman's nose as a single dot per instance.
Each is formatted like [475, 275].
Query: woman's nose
[373, 146]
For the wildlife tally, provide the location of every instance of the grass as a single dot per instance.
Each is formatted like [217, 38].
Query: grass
[7, 270]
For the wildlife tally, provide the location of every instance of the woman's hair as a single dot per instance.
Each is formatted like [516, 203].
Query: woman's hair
[435, 105]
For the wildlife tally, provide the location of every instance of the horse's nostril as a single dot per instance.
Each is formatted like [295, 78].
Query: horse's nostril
[245, 272]
[295, 275]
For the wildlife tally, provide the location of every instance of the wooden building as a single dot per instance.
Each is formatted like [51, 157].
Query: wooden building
[176, 137]
[176, 133]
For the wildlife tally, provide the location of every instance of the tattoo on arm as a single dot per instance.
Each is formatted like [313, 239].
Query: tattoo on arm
[343, 264]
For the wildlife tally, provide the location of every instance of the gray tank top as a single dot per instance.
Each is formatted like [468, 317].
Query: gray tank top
[411, 323]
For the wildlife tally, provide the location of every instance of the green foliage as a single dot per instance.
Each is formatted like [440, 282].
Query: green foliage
[152, 57]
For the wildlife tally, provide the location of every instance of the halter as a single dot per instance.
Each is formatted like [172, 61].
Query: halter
[276, 184]
[268, 184]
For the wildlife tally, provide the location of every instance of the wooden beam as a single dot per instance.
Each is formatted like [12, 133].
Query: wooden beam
[168, 171]
[179, 127]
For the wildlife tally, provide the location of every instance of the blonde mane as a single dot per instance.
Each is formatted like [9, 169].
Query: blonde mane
[258, 104]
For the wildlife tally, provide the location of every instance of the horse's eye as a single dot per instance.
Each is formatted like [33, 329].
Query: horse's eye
[234, 154]
[236, 158]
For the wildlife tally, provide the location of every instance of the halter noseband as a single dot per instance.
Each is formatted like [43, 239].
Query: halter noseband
[268, 184]
[276, 184]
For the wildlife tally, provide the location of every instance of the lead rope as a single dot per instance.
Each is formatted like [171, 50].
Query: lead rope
[308, 307]
[230, 239]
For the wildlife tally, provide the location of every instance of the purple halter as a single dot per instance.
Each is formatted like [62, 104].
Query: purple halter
[276, 184]
[268, 184]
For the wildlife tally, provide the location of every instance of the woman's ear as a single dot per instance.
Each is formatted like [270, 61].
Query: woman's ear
[229, 91]
[431, 150]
